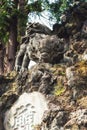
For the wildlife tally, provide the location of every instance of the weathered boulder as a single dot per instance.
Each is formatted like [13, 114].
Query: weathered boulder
[39, 79]
[54, 119]
[76, 50]
[77, 75]
[72, 20]
[78, 120]
[52, 82]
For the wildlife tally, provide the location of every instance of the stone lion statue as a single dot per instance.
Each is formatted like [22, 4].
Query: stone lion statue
[39, 45]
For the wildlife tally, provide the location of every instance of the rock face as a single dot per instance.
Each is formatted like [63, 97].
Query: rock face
[60, 74]
[46, 49]
[40, 48]
[34, 33]
[78, 117]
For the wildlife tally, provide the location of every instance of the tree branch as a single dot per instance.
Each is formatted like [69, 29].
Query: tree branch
[36, 6]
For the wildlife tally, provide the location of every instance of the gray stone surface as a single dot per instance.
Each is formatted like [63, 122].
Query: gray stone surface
[26, 113]
[45, 48]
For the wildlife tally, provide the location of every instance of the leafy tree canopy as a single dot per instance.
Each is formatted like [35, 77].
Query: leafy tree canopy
[10, 8]
[58, 7]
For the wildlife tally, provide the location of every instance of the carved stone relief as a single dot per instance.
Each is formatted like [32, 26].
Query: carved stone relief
[26, 113]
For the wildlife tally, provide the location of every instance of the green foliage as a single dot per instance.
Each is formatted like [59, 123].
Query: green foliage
[59, 91]
[59, 88]
[5, 16]
[58, 7]
[8, 9]
[59, 72]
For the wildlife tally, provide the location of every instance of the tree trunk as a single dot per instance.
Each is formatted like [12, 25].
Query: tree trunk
[12, 46]
[25, 9]
[1, 59]
[22, 20]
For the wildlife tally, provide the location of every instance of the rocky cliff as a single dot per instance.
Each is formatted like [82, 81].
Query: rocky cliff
[60, 73]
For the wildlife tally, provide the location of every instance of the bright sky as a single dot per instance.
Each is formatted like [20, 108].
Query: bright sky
[43, 18]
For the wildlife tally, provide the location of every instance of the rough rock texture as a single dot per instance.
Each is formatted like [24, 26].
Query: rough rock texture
[64, 84]
[37, 28]
[35, 32]
[40, 48]
[46, 49]
[79, 118]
